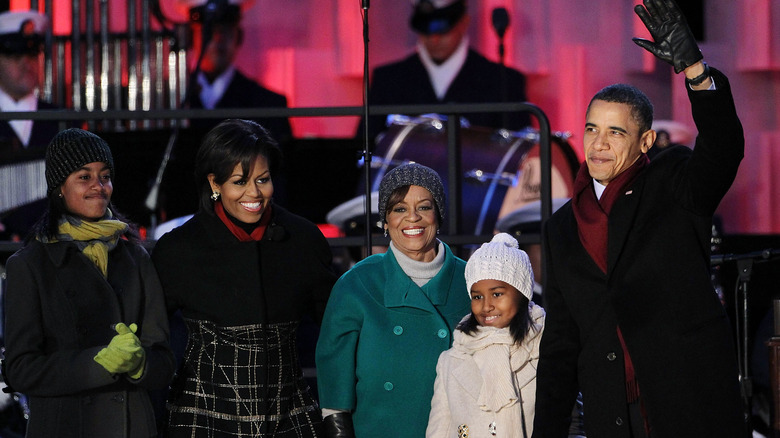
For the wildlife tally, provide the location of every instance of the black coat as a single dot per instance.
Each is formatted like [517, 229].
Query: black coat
[657, 290]
[478, 81]
[60, 311]
[208, 274]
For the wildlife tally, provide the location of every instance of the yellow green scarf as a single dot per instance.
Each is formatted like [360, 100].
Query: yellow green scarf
[93, 239]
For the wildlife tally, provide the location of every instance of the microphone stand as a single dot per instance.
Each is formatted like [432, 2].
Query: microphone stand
[745, 270]
[366, 139]
[500, 19]
[152, 199]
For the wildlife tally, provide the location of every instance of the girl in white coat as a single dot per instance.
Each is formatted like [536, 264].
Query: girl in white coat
[486, 383]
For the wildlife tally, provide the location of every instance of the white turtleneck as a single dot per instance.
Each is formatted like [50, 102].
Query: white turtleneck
[419, 272]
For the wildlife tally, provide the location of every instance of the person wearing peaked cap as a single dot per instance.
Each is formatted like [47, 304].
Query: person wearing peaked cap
[216, 84]
[21, 41]
[86, 326]
[390, 316]
[633, 321]
[444, 69]
[22, 35]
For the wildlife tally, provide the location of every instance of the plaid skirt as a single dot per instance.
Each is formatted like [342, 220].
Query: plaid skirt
[242, 381]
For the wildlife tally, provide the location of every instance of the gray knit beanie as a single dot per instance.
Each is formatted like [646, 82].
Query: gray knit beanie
[70, 150]
[500, 259]
[407, 175]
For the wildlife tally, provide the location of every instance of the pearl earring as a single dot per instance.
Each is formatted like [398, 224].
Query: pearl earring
[214, 196]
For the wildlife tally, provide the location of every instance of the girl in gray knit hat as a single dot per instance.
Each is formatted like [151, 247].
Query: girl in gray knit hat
[86, 330]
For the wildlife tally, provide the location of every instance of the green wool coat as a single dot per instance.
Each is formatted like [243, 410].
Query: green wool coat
[380, 339]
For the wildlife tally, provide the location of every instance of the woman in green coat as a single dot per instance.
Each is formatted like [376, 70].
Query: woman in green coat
[390, 316]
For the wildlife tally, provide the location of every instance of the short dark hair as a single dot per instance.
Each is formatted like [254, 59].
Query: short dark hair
[518, 326]
[398, 195]
[233, 142]
[641, 107]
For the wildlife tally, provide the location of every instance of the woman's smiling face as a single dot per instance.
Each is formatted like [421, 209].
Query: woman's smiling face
[246, 198]
[412, 224]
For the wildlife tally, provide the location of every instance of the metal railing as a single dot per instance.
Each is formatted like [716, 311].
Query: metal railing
[453, 143]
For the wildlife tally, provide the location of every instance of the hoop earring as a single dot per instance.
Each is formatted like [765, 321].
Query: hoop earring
[214, 196]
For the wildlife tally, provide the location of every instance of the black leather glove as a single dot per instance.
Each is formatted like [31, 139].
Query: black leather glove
[674, 41]
[339, 425]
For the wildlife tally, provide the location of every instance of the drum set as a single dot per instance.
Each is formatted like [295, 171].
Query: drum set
[491, 161]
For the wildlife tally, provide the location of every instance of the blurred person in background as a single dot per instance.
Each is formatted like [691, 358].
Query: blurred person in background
[21, 41]
[445, 69]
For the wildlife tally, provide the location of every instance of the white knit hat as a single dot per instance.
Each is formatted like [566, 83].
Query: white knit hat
[500, 259]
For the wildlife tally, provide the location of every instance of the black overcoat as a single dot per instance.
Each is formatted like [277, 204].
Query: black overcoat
[60, 311]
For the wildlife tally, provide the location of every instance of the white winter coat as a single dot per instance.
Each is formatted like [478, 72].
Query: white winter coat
[459, 382]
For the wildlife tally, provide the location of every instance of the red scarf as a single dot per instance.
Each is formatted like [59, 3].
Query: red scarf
[237, 231]
[592, 217]
[593, 214]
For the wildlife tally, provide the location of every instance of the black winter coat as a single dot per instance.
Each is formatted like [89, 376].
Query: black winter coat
[60, 311]
[208, 274]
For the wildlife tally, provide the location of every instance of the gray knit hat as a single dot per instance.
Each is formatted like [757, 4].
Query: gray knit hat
[500, 259]
[407, 175]
[71, 149]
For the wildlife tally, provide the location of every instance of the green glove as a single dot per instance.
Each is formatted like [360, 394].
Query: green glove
[674, 41]
[124, 354]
